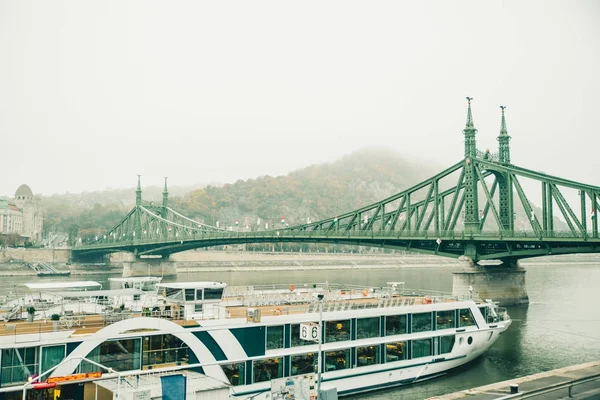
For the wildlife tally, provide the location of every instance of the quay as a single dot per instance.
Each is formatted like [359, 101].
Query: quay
[574, 382]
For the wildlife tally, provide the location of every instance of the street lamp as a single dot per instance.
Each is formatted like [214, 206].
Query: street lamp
[320, 297]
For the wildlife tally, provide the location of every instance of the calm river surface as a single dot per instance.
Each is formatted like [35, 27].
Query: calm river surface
[560, 327]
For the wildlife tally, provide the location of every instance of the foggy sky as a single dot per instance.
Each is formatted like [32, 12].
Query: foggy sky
[93, 93]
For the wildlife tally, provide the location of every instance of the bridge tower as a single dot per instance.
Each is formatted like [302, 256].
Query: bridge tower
[505, 184]
[137, 227]
[472, 225]
[165, 199]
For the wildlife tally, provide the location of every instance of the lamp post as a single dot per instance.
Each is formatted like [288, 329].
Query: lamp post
[320, 298]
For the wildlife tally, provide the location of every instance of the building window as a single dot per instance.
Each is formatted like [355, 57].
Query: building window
[164, 349]
[465, 318]
[336, 360]
[295, 339]
[18, 364]
[444, 319]
[367, 328]
[421, 348]
[367, 355]
[337, 331]
[304, 363]
[274, 337]
[395, 351]
[267, 369]
[235, 373]
[421, 322]
[395, 325]
[446, 344]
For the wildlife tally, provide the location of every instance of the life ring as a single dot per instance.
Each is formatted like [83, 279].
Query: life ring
[365, 292]
[277, 311]
[292, 287]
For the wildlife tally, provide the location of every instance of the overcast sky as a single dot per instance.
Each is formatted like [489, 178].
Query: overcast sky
[93, 93]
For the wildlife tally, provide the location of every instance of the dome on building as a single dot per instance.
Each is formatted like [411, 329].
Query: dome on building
[24, 190]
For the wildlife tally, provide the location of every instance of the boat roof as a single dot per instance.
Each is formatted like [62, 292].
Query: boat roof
[97, 293]
[137, 279]
[54, 285]
[192, 285]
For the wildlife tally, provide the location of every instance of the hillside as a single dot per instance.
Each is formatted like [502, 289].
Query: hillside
[314, 192]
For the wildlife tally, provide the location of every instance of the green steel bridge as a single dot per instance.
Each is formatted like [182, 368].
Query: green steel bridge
[478, 208]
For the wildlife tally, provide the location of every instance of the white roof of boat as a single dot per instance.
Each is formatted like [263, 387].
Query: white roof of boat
[97, 293]
[53, 285]
[191, 285]
[137, 279]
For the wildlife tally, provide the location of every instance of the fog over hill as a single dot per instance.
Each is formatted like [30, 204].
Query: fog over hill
[315, 192]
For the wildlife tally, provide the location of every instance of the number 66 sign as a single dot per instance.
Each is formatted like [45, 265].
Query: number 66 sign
[310, 331]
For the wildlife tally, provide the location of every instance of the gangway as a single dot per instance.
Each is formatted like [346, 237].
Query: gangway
[46, 269]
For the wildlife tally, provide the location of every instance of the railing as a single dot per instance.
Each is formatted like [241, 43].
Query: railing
[552, 388]
[289, 233]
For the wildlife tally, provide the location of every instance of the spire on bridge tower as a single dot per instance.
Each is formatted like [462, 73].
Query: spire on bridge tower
[165, 202]
[503, 141]
[138, 193]
[470, 132]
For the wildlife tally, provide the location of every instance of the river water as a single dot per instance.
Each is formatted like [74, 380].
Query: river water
[560, 326]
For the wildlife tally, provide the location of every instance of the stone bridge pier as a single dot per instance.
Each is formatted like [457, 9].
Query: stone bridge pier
[133, 266]
[504, 283]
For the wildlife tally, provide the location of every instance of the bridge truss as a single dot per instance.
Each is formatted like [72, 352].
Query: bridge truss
[482, 207]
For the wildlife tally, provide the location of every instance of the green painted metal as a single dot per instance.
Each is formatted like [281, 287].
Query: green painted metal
[439, 216]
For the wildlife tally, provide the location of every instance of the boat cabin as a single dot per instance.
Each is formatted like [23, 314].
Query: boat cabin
[198, 299]
[143, 283]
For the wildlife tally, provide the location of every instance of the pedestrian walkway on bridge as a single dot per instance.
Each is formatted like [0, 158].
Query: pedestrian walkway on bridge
[575, 382]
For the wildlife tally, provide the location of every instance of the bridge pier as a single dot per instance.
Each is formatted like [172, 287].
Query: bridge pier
[149, 267]
[503, 283]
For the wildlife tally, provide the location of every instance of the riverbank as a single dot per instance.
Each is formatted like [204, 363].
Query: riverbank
[232, 261]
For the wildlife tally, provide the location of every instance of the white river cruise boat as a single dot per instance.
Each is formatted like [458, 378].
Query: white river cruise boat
[372, 338]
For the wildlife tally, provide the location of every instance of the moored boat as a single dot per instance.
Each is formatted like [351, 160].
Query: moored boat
[372, 338]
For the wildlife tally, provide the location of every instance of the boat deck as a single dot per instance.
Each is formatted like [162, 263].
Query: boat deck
[236, 304]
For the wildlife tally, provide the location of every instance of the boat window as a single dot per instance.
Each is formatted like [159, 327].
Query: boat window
[421, 348]
[274, 337]
[267, 369]
[213, 294]
[367, 355]
[395, 351]
[367, 328]
[189, 294]
[337, 331]
[444, 319]
[304, 363]
[336, 360]
[446, 344]
[295, 339]
[395, 325]
[52, 356]
[235, 373]
[120, 355]
[198, 294]
[198, 307]
[421, 322]
[466, 318]
[136, 297]
[484, 312]
[18, 364]
[164, 349]
[173, 293]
